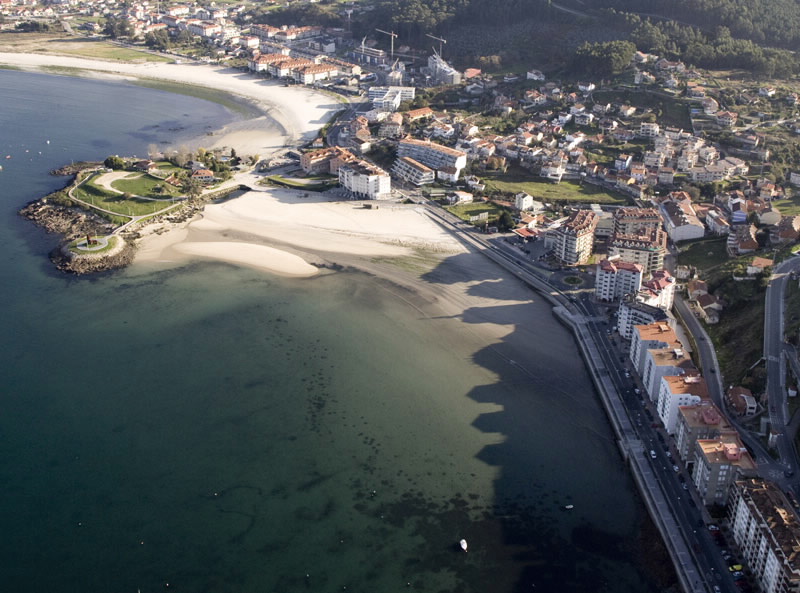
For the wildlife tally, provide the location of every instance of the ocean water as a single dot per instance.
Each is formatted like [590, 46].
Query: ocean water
[213, 428]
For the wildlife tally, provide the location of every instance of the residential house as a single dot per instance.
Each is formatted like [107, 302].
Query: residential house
[741, 400]
[742, 239]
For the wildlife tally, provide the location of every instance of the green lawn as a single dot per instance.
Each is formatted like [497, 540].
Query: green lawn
[316, 185]
[108, 51]
[791, 205]
[99, 197]
[464, 211]
[112, 243]
[142, 184]
[703, 254]
[517, 180]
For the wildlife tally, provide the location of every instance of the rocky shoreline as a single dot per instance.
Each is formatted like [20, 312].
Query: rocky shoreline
[72, 223]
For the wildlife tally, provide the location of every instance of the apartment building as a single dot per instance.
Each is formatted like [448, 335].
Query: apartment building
[646, 248]
[698, 422]
[615, 278]
[767, 533]
[412, 171]
[364, 181]
[633, 313]
[636, 221]
[664, 362]
[675, 391]
[574, 239]
[681, 221]
[718, 462]
[652, 336]
[432, 155]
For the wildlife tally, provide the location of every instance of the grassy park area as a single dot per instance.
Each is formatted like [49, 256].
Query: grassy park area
[142, 184]
[118, 203]
[517, 180]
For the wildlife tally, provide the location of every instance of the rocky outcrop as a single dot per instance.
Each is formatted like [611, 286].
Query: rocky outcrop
[69, 222]
[91, 264]
[75, 168]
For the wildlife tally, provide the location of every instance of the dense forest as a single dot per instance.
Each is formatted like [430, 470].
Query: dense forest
[773, 23]
[755, 35]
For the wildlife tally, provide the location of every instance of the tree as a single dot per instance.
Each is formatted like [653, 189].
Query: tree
[608, 58]
[158, 40]
[505, 221]
[117, 27]
[115, 162]
[192, 187]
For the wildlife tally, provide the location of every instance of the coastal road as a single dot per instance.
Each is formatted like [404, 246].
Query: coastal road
[774, 357]
[767, 466]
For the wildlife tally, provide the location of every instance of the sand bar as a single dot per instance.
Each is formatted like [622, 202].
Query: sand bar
[260, 256]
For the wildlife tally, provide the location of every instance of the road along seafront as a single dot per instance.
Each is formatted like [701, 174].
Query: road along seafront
[569, 312]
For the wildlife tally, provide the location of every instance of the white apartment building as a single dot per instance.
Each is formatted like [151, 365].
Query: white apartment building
[676, 391]
[633, 313]
[412, 171]
[388, 98]
[767, 533]
[664, 362]
[364, 180]
[680, 219]
[658, 291]
[652, 336]
[432, 155]
[616, 278]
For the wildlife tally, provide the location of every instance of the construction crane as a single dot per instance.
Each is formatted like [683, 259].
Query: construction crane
[391, 34]
[440, 40]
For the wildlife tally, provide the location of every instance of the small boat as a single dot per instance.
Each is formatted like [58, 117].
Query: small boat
[569, 507]
[8, 156]
[463, 544]
[48, 141]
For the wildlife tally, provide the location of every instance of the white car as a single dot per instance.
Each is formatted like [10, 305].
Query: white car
[652, 453]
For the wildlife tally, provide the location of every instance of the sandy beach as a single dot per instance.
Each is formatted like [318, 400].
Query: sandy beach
[278, 230]
[291, 115]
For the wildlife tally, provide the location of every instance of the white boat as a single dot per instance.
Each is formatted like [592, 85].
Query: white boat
[463, 544]
[569, 507]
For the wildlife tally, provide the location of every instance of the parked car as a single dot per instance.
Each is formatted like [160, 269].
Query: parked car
[652, 454]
